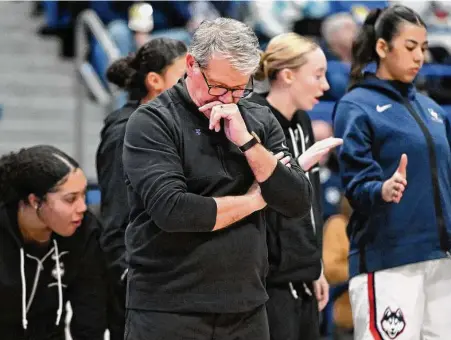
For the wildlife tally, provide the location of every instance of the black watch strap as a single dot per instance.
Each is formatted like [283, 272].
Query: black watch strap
[250, 144]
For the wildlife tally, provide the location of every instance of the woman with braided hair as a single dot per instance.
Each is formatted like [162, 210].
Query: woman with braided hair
[49, 250]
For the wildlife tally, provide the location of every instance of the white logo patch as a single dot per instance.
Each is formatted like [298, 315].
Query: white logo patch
[55, 268]
[382, 108]
[435, 116]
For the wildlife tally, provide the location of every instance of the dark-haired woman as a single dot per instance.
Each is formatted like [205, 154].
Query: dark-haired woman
[400, 227]
[157, 66]
[49, 251]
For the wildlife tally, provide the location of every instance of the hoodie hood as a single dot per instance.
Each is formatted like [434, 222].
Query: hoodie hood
[122, 114]
[8, 217]
[395, 90]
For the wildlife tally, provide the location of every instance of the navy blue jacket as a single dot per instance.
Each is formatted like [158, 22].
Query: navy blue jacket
[379, 121]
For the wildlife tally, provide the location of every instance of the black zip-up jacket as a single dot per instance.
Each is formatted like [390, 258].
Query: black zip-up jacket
[294, 244]
[174, 166]
[114, 211]
[114, 208]
[34, 268]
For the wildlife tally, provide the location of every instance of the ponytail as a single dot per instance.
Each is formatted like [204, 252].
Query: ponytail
[363, 48]
[262, 71]
[286, 50]
[120, 71]
[156, 55]
[125, 73]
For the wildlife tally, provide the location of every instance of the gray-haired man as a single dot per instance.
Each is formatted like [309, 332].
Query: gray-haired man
[200, 168]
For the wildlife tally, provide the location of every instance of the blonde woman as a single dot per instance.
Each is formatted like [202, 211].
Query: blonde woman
[296, 68]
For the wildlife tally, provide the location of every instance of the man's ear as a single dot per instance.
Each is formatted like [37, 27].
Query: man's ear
[190, 64]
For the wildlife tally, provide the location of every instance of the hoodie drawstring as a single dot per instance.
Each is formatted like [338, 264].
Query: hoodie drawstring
[24, 289]
[26, 306]
[60, 287]
[312, 215]
[304, 148]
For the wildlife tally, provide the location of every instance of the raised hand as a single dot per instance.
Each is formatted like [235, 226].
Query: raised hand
[234, 127]
[393, 188]
[313, 154]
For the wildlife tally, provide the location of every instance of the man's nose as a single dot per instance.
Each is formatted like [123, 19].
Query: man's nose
[226, 98]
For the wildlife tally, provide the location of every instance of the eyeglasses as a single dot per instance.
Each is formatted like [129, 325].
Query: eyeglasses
[215, 90]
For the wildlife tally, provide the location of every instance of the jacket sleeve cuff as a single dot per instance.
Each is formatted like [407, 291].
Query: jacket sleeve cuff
[273, 188]
[205, 219]
[375, 190]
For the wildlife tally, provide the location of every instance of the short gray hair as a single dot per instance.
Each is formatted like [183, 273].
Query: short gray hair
[229, 39]
[334, 23]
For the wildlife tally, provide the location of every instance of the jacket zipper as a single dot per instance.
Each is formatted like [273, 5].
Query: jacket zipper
[221, 158]
[441, 228]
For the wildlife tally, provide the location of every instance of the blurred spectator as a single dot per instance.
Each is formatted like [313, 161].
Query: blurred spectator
[313, 14]
[156, 19]
[358, 9]
[436, 14]
[60, 19]
[335, 257]
[329, 173]
[271, 18]
[338, 32]
[144, 21]
[439, 88]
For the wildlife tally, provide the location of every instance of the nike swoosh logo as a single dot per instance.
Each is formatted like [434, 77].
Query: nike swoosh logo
[383, 107]
[284, 146]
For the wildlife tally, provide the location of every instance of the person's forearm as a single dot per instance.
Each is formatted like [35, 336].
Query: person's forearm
[231, 209]
[261, 161]
[286, 190]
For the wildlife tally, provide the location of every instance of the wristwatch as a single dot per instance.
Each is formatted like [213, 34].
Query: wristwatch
[246, 146]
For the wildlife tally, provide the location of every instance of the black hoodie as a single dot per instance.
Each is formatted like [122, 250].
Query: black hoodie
[114, 202]
[294, 244]
[26, 267]
[114, 211]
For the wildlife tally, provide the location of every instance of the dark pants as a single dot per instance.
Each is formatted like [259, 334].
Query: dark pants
[290, 318]
[116, 316]
[149, 325]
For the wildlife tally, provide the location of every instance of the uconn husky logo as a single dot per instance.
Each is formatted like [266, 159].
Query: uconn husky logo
[393, 323]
